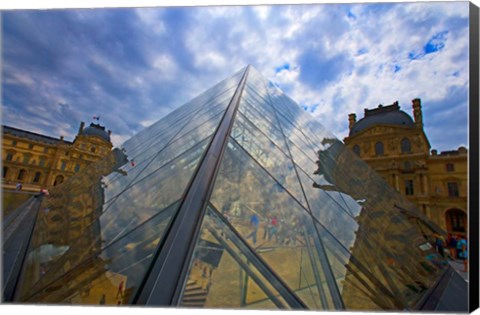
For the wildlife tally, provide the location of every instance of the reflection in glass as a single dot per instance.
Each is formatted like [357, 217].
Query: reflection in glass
[221, 275]
[273, 223]
[113, 274]
[267, 154]
[68, 214]
[294, 219]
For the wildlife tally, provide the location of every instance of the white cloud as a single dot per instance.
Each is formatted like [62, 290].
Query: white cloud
[165, 65]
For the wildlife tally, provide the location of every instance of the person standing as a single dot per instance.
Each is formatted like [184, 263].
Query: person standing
[452, 246]
[463, 252]
[439, 242]
[254, 222]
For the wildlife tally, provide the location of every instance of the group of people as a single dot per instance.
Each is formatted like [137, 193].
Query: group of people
[274, 228]
[456, 245]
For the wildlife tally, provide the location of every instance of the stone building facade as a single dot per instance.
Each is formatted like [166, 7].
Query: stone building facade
[37, 161]
[396, 146]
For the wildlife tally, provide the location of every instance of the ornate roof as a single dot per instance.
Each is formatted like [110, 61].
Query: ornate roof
[96, 130]
[32, 135]
[383, 115]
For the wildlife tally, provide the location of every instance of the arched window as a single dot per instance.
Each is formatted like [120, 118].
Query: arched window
[36, 179]
[356, 149]
[21, 174]
[379, 149]
[456, 220]
[58, 180]
[41, 161]
[406, 147]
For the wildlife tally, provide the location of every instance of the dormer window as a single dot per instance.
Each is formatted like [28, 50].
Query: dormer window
[406, 147]
[356, 149]
[379, 149]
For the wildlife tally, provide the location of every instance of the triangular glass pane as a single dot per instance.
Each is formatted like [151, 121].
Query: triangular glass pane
[154, 152]
[188, 110]
[332, 209]
[83, 232]
[134, 172]
[221, 275]
[110, 275]
[263, 121]
[267, 154]
[274, 223]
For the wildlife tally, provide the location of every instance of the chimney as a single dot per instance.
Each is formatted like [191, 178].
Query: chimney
[352, 119]
[82, 124]
[417, 112]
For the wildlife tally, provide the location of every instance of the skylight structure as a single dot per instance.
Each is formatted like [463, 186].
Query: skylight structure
[238, 199]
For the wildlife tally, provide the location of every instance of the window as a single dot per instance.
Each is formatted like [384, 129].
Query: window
[77, 168]
[5, 171]
[409, 187]
[453, 189]
[379, 149]
[356, 149]
[30, 146]
[45, 150]
[66, 153]
[450, 167]
[26, 158]
[405, 144]
[36, 179]
[21, 175]
[14, 143]
[407, 166]
[9, 156]
[41, 162]
[63, 166]
[456, 220]
[93, 149]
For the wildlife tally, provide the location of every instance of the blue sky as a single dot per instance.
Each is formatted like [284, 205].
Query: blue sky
[133, 66]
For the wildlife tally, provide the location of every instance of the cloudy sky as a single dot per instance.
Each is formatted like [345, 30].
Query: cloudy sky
[133, 66]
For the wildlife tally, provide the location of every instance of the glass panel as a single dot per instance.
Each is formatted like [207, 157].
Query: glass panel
[222, 276]
[267, 124]
[155, 191]
[357, 291]
[119, 182]
[76, 231]
[202, 126]
[273, 223]
[69, 212]
[267, 155]
[301, 159]
[297, 137]
[226, 87]
[330, 208]
[111, 275]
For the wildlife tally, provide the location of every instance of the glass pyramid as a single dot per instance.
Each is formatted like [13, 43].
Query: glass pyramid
[238, 199]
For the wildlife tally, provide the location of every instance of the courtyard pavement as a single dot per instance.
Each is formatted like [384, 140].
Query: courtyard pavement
[458, 266]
